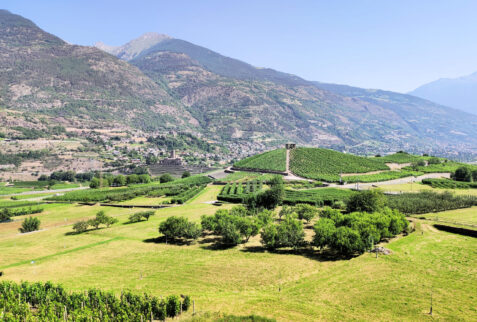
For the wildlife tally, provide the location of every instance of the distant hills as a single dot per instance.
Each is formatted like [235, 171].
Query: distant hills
[459, 92]
[158, 83]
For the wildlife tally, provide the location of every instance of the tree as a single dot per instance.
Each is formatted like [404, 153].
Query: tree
[30, 224]
[144, 178]
[324, 231]
[269, 236]
[347, 241]
[367, 201]
[185, 174]
[94, 183]
[248, 227]
[306, 212]
[179, 227]
[290, 232]
[230, 232]
[119, 180]
[80, 226]
[463, 174]
[102, 219]
[474, 175]
[166, 177]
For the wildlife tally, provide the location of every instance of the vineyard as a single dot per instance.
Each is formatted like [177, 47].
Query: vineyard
[48, 302]
[400, 157]
[130, 192]
[383, 176]
[237, 191]
[319, 197]
[449, 184]
[273, 160]
[326, 165]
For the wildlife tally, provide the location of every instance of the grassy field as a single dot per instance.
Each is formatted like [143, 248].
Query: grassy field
[462, 217]
[245, 280]
[408, 187]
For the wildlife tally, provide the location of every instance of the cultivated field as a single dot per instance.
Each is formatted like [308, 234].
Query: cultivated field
[245, 279]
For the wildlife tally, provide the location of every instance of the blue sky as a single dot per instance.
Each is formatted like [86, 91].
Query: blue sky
[395, 45]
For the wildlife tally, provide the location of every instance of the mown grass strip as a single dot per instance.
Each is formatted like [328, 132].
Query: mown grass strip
[43, 258]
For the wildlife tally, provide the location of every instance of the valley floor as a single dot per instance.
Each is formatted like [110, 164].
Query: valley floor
[245, 279]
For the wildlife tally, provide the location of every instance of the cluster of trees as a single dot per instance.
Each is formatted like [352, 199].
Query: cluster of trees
[70, 176]
[100, 219]
[268, 199]
[465, 174]
[54, 303]
[30, 224]
[109, 180]
[237, 225]
[17, 158]
[139, 216]
[356, 232]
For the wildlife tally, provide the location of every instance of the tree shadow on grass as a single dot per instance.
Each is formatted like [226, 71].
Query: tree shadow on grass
[163, 240]
[321, 256]
[72, 233]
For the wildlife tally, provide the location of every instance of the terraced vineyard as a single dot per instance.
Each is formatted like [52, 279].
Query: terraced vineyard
[319, 197]
[273, 160]
[326, 165]
[383, 176]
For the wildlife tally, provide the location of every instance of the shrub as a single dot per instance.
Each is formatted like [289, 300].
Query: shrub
[166, 177]
[324, 232]
[463, 174]
[173, 307]
[30, 224]
[288, 233]
[94, 183]
[5, 214]
[185, 174]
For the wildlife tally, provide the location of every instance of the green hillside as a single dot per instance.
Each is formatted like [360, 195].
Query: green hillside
[273, 160]
[326, 165]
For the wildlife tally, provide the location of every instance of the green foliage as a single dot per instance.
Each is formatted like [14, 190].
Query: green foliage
[319, 197]
[288, 233]
[166, 177]
[463, 173]
[187, 194]
[326, 165]
[449, 184]
[306, 212]
[268, 199]
[139, 216]
[30, 224]
[94, 183]
[368, 201]
[49, 302]
[80, 226]
[429, 201]
[355, 232]
[179, 228]
[120, 194]
[5, 215]
[185, 174]
[383, 176]
[400, 157]
[272, 160]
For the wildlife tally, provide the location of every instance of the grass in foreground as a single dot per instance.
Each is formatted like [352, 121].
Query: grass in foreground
[242, 281]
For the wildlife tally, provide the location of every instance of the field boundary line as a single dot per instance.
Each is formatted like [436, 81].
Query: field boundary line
[39, 259]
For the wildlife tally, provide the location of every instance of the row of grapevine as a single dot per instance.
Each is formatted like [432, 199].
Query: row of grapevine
[187, 194]
[319, 197]
[130, 192]
[449, 184]
[236, 192]
[48, 302]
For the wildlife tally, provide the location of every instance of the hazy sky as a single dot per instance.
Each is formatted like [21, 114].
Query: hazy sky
[396, 45]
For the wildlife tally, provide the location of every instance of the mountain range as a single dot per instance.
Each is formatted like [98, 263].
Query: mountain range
[459, 92]
[158, 83]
